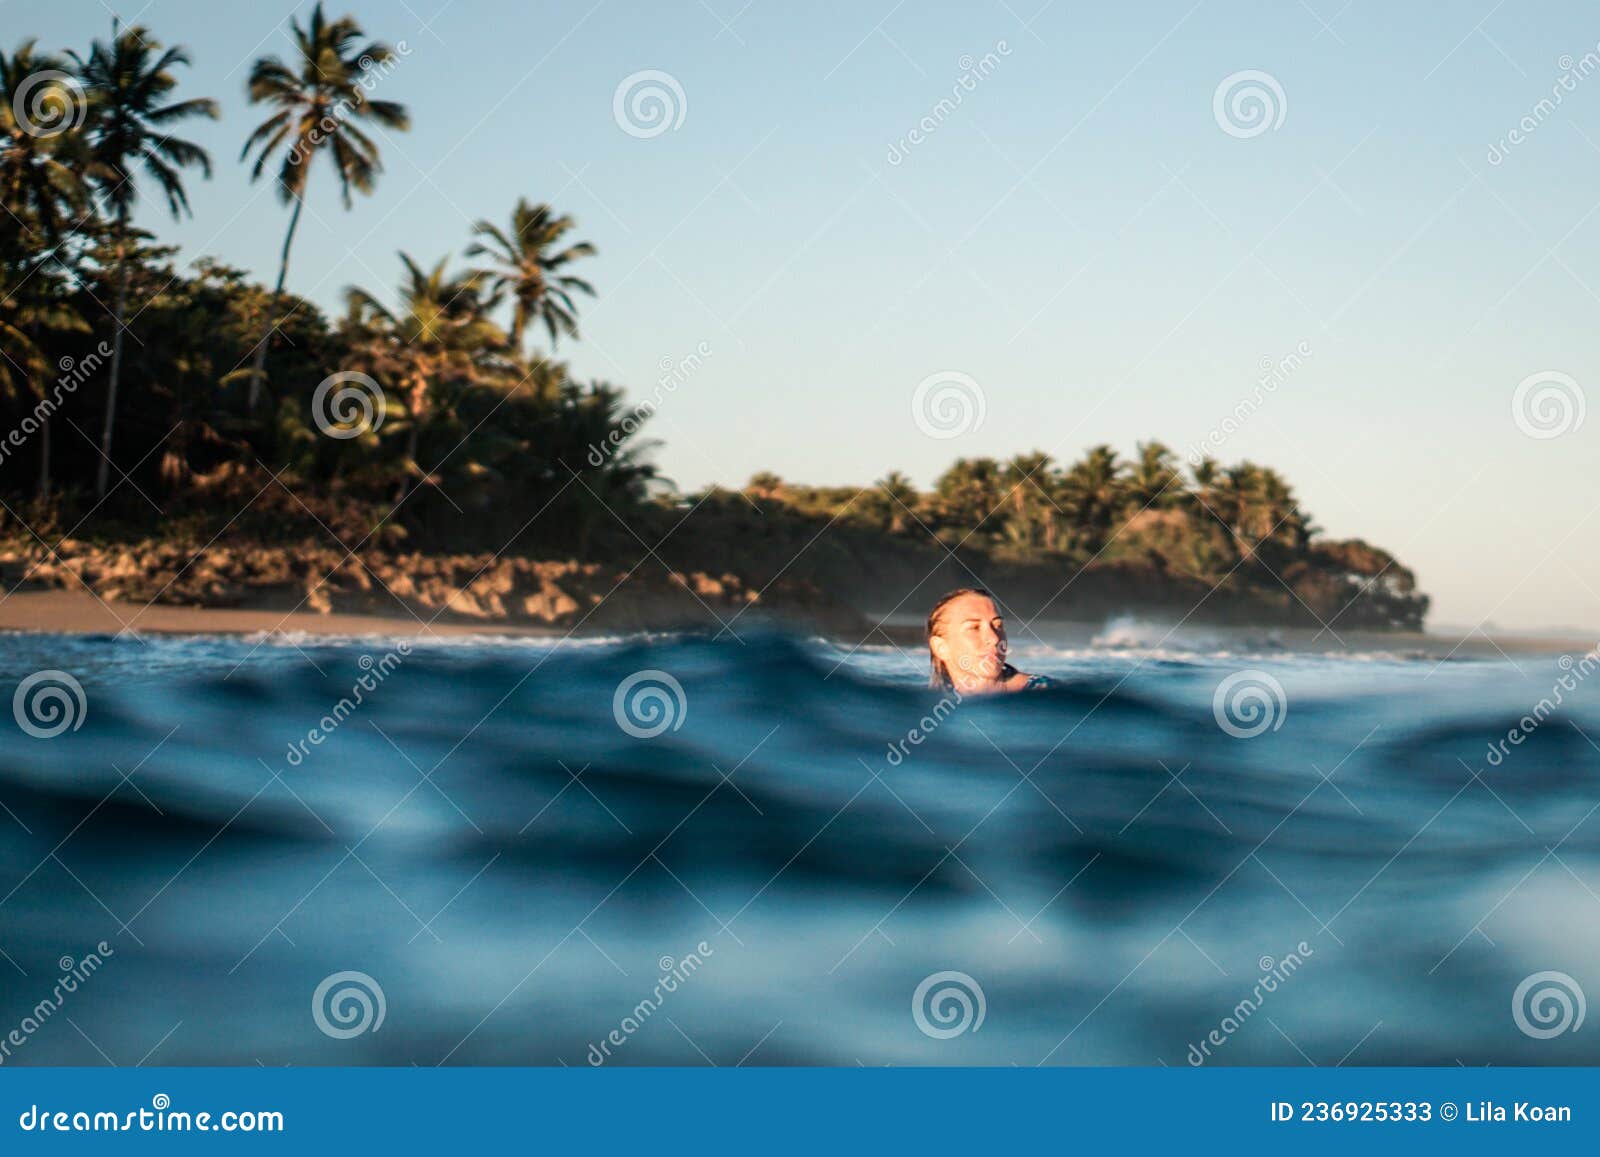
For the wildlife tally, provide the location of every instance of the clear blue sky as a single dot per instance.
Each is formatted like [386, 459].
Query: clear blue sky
[1080, 236]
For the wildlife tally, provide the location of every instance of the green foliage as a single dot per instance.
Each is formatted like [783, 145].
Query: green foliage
[1239, 530]
[466, 437]
[469, 436]
[317, 99]
[130, 121]
[531, 269]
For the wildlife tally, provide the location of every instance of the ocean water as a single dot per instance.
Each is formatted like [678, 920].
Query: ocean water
[776, 851]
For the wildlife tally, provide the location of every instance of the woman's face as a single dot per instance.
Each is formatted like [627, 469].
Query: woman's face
[970, 640]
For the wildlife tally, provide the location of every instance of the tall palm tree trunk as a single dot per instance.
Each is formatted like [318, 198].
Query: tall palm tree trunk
[411, 458]
[258, 369]
[103, 472]
[44, 428]
[44, 458]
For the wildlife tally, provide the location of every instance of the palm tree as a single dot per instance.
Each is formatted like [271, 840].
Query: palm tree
[1153, 480]
[1277, 514]
[1261, 508]
[1094, 490]
[528, 268]
[32, 306]
[1241, 485]
[127, 81]
[969, 493]
[317, 102]
[766, 485]
[41, 174]
[42, 189]
[1212, 496]
[902, 498]
[585, 416]
[1027, 474]
[21, 360]
[435, 343]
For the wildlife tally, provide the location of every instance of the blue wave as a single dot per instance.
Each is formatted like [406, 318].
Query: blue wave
[511, 854]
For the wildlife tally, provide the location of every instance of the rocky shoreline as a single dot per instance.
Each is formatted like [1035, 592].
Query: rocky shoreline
[842, 585]
[451, 588]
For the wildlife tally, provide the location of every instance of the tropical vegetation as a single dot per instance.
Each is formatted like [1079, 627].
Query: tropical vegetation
[137, 390]
[1199, 536]
[143, 399]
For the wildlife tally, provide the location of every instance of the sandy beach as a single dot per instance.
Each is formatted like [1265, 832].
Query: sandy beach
[82, 613]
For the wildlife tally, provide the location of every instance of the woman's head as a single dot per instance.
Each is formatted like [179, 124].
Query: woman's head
[967, 641]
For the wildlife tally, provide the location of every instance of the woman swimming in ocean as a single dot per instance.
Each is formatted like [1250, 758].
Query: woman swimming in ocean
[967, 647]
